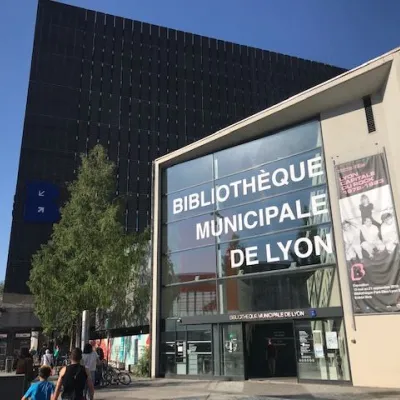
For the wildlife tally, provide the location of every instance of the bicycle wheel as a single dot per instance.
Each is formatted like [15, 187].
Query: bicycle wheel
[124, 378]
[104, 381]
[108, 378]
[111, 378]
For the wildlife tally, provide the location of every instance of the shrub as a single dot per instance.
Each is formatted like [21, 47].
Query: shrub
[142, 368]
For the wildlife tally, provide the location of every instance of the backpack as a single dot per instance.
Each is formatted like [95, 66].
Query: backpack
[72, 395]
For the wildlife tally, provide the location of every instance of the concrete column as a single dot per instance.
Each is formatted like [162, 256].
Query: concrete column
[85, 328]
[156, 281]
[35, 340]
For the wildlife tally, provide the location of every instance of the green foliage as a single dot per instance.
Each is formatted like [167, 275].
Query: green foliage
[86, 265]
[1, 289]
[142, 368]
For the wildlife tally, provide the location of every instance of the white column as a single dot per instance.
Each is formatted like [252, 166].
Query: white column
[34, 340]
[85, 328]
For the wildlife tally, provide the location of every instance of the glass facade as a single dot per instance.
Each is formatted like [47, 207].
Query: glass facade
[321, 350]
[248, 229]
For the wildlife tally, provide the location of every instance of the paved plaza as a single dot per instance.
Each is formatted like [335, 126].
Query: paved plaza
[169, 389]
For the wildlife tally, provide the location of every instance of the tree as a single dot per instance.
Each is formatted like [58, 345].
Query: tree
[1, 289]
[90, 262]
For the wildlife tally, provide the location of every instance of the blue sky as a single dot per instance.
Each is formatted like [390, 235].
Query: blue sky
[340, 32]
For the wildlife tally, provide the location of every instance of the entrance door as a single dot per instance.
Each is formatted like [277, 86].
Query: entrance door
[275, 340]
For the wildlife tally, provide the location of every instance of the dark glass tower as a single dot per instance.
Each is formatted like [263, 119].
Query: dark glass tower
[141, 91]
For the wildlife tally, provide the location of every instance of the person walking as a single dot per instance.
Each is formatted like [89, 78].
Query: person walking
[74, 378]
[24, 366]
[42, 351]
[100, 364]
[90, 360]
[47, 359]
[56, 355]
[43, 389]
[271, 357]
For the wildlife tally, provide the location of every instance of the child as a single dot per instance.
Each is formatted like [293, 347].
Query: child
[371, 241]
[43, 389]
[352, 241]
[366, 209]
[389, 232]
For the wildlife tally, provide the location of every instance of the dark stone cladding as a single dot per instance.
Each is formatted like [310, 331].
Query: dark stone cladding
[140, 90]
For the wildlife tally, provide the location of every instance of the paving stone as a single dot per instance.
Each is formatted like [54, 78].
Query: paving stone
[171, 389]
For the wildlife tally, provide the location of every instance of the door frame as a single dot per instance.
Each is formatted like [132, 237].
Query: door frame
[246, 350]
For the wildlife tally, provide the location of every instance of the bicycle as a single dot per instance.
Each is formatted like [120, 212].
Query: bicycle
[65, 362]
[113, 376]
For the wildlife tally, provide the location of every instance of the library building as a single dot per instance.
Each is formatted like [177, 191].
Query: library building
[275, 241]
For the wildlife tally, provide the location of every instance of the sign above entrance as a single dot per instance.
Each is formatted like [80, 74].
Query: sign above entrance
[22, 335]
[269, 315]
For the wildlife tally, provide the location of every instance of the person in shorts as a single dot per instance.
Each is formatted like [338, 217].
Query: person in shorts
[43, 389]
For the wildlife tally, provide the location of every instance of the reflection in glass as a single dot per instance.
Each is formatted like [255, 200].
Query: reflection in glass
[182, 235]
[322, 351]
[308, 289]
[187, 174]
[168, 363]
[294, 210]
[199, 357]
[269, 148]
[190, 265]
[272, 179]
[189, 300]
[291, 249]
[199, 335]
[232, 359]
[187, 351]
[246, 221]
[177, 205]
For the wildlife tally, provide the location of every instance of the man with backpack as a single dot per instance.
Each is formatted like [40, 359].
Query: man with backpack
[74, 378]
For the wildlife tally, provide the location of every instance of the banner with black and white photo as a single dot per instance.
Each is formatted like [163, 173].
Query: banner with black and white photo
[370, 234]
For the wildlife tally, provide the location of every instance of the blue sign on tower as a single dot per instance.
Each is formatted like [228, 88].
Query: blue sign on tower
[41, 202]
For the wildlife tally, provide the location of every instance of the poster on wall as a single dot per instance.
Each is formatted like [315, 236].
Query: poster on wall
[331, 341]
[370, 234]
[318, 344]
[306, 353]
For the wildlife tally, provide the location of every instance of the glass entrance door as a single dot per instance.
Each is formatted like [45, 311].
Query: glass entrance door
[322, 350]
[187, 351]
[199, 352]
[270, 350]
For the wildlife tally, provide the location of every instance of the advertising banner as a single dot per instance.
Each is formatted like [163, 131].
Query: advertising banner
[370, 234]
